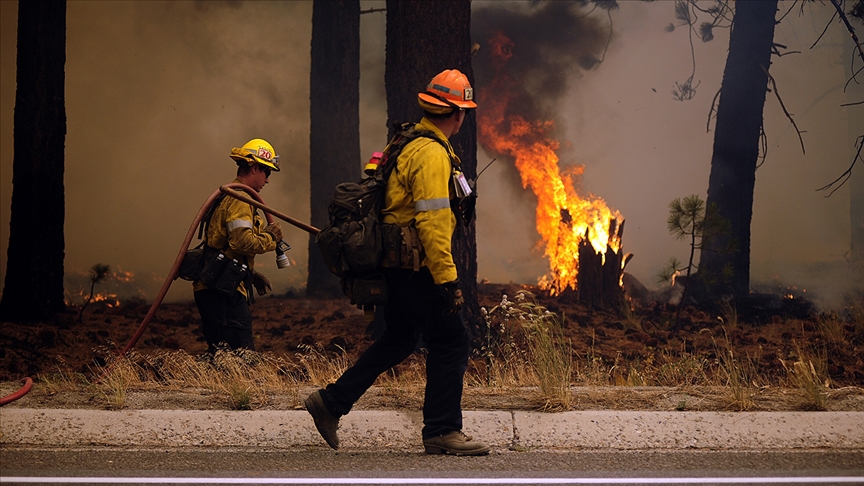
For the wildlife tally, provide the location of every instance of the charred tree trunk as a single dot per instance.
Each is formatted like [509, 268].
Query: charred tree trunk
[334, 152]
[33, 289]
[599, 276]
[724, 268]
[408, 68]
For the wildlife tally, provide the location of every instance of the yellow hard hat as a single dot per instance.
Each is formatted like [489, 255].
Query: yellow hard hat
[450, 88]
[257, 151]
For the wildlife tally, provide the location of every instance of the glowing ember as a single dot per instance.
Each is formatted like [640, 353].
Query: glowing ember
[562, 216]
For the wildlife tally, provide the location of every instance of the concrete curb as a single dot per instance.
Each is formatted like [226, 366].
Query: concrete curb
[399, 430]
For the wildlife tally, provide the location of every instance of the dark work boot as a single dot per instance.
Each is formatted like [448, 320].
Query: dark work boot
[326, 423]
[456, 443]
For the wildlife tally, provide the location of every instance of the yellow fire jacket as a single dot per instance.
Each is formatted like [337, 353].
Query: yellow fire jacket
[237, 226]
[419, 190]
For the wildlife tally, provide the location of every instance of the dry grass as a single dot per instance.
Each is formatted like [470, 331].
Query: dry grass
[739, 376]
[832, 328]
[809, 375]
[320, 368]
[243, 378]
[524, 349]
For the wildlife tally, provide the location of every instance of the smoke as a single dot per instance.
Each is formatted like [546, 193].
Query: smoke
[546, 45]
[529, 58]
[159, 92]
[641, 149]
[157, 95]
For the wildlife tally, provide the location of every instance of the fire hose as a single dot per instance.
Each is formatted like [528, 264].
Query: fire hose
[28, 384]
[229, 190]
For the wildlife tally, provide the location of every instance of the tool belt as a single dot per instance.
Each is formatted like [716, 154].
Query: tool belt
[402, 247]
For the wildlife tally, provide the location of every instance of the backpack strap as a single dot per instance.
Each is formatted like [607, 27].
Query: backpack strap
[202, 235]
[405, 133]
[205, 221]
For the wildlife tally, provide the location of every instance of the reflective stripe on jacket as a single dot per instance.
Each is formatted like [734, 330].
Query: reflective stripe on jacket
[236, 229]
[419, 189]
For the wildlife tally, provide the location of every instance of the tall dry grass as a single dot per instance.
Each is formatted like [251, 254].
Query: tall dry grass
[808, 373]
[243, 378]
[524, 349]
[525, 346]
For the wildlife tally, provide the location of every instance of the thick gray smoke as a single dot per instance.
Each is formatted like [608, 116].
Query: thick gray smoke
[549, 44]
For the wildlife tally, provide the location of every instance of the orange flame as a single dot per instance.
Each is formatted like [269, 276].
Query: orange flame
[563, 217]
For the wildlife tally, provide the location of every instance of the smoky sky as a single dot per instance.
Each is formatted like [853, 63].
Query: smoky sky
[157, 93]
[551, 43]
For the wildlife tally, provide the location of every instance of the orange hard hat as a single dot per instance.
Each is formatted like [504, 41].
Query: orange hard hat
[449, 88]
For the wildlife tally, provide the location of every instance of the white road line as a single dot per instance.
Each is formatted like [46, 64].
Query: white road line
[473, 481]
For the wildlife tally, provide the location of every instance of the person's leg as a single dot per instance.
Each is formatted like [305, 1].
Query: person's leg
[211, 307]
[237, 328]
[448, 344]
[396, 344]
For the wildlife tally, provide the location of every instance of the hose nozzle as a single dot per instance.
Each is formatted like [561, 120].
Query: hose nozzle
[282, 260]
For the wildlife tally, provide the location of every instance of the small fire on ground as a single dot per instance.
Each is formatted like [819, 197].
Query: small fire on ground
[107, 289]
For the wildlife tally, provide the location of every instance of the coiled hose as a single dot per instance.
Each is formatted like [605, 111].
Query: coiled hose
[228, 189]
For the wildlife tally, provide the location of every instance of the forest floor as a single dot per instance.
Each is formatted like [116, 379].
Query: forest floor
[638, 358]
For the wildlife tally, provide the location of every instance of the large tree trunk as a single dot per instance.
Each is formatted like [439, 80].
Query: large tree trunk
[33, 290]
[725, 261]
[423, 39]
[334, 153]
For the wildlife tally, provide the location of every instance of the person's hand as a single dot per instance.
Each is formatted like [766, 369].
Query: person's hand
[274, 230]
[452, 296]
[261, 283]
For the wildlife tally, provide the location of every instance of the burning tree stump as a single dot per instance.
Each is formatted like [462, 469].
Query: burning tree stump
[599, 276]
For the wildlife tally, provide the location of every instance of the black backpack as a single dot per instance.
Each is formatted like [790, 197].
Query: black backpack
[352, 244]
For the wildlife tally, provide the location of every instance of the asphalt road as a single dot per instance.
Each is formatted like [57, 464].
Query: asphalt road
[103, 465]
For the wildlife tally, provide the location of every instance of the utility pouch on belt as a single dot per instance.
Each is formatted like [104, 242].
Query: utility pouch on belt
[192, 264]
[391, 240]
[224, 274]
[369, 289]
[402, 247]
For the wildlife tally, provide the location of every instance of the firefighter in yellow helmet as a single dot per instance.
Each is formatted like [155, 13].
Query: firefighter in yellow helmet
[235, 234]
[425, 298]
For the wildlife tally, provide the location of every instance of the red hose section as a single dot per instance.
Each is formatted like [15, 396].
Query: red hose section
[28, 384]
[177, 261]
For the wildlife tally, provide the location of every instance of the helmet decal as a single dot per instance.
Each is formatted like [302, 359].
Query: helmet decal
[449, 88]
[265, 154]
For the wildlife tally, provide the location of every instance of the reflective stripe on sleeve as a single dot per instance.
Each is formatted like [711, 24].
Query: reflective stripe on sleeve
[238, 223]
[431, 204]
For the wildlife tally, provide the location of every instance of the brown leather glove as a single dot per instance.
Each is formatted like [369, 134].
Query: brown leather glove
[452, 297]
[261, 283]
[274, 230]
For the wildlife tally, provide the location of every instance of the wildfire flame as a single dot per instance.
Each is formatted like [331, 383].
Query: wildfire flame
[109, 288]
[563, 217]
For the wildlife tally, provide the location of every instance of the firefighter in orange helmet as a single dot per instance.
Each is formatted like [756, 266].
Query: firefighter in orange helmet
[237, 232]
[424, 300]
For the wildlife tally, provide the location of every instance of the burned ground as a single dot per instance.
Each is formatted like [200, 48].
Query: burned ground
[766, 334]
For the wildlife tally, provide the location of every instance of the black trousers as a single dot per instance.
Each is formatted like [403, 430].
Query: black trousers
[225, 318]
[414, 309]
